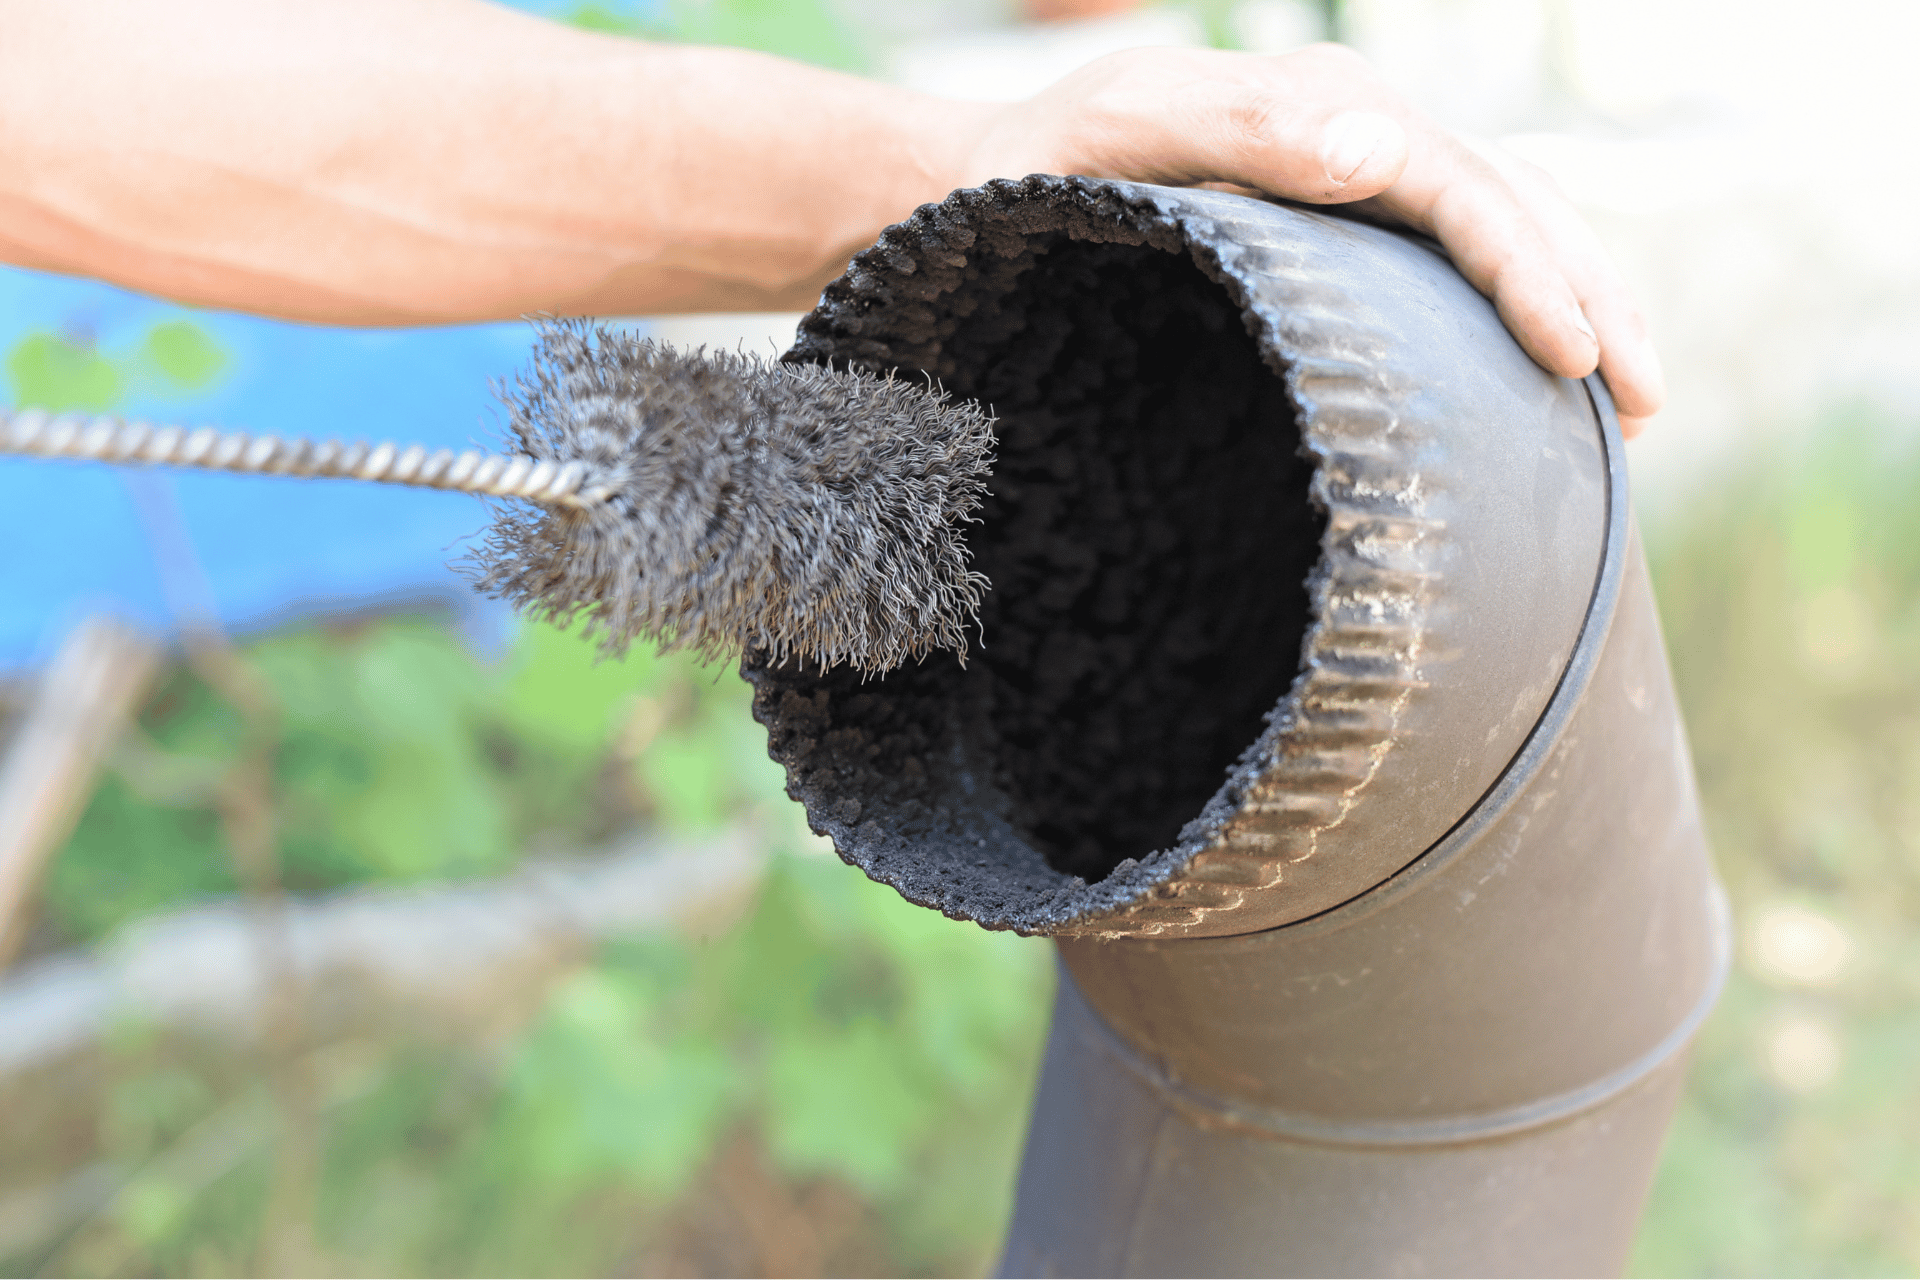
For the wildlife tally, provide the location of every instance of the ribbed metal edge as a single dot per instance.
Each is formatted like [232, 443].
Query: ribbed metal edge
[1370, 594]
[1554, 718]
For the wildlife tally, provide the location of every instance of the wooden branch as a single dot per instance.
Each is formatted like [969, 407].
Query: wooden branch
[96, 681]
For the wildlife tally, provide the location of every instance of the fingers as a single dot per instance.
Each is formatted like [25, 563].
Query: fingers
[1628, 360]
[1318, 126]
[1494, 240]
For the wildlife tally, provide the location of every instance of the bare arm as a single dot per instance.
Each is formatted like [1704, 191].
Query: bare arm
[421, 161]
[409, 161]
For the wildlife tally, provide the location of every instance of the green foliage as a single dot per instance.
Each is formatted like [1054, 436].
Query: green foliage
[615, 21]
[1791, 599]
[850, 1039]
[873, 1036]
[130, 858]
[856, 1034]
[856, 1040]
[562, 694]
[402, 758]
[1216, 20]
[602, 1087]
[383, 765]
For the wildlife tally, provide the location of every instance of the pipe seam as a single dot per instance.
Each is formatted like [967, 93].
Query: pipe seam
[1211, 1111]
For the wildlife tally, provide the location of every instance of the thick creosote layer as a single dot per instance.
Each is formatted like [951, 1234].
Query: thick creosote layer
[1148, 536]
[1148, 497]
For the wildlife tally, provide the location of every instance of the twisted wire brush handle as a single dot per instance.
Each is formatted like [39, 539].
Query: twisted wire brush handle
[106, 438]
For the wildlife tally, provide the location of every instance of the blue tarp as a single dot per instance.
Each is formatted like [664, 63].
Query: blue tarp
[72, 540]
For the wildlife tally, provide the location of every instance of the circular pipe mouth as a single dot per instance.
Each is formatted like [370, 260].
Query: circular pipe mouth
[1212, 544]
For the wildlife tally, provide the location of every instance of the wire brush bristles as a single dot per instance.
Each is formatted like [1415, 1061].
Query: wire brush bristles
[804, 511]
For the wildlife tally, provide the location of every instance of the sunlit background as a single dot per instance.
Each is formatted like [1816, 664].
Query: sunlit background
[398, 937]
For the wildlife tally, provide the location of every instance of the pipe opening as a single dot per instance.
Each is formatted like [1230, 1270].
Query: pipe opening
[1149, 536]
[1224, 684]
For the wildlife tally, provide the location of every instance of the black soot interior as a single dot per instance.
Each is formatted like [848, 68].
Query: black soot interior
[1148, 538]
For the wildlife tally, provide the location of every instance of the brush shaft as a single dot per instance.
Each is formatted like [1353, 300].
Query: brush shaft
[104, 438]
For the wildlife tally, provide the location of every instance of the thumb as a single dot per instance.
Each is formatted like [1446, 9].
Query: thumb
[1251, 137]
[1361, 154]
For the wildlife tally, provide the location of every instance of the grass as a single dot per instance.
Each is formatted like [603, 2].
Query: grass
[1790, 592]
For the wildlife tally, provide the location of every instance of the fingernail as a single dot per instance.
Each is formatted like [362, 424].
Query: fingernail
[1351, 139]
[1649, 361]
[1585, 325]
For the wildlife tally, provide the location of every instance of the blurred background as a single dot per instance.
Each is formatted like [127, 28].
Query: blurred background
[395, 936]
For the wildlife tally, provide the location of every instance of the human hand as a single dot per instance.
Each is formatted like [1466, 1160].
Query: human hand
[1320, 126]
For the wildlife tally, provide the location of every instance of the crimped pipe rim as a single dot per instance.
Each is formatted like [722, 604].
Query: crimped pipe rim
[1547, 731]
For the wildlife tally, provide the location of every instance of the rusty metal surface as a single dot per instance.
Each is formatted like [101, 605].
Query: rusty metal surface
[1119, 1180]
[1464, 492]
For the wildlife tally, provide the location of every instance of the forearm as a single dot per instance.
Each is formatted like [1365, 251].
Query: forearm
[408, 161]
[420, 161]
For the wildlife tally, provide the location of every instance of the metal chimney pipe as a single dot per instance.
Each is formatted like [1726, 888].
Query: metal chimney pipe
[1321, 715]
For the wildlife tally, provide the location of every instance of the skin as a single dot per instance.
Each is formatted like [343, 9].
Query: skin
[397, 162]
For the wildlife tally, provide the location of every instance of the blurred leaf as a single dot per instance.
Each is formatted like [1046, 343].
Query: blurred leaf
[154, 1107]
[150, 1208]
[562, 691]
[381, 755]
[128, 858]
[805, 30]
[851, 1037]
[51, 372]
[850, 1102]
[598, 1088]
[1821, 539]
[183, 354]
[688, 771]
